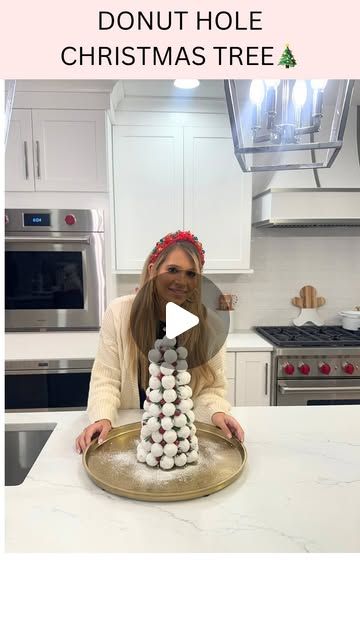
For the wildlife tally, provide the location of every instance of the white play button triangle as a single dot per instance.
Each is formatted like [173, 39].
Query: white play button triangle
[178, 320]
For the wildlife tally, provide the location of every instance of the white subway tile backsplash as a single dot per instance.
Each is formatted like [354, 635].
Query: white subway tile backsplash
[284, 260]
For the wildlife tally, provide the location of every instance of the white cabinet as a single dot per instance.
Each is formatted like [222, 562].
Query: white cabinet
[217, 198]
[19, 168]
[252, 387]
[148, 176]
[179, 177]
[230, 375]
[66, 151]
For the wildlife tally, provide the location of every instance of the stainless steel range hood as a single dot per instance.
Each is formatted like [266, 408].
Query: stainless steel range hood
[314, 207]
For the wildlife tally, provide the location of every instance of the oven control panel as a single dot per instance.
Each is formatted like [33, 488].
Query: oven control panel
[320, 366]
[27, 221]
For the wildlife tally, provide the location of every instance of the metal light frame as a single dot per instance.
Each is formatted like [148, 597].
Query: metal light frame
[333, 146]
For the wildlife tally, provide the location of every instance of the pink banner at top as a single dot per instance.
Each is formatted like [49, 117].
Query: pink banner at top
[212, 39]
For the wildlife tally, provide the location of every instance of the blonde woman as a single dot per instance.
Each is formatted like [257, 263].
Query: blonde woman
[171, 273]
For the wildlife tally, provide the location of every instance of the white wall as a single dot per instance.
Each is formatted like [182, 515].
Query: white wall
[284, 260]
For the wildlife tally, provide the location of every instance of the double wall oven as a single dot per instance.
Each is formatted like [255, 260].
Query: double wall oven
[54, 269]
[314, 365]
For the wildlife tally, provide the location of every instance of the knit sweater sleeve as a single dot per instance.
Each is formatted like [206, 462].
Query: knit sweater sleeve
[212, 399]
[105, 384]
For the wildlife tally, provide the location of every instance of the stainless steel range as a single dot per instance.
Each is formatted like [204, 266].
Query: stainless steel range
[314, 365]
[54, 269]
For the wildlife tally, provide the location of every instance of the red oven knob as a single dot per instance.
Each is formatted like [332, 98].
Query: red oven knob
[304, 368]
[288, 368]
[325, 368]
[70, 219]
[348, 368]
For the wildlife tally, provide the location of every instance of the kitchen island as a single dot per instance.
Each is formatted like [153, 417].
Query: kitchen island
[299, 492]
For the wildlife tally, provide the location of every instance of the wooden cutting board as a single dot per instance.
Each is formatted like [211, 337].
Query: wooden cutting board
[308, 298]
[308, 302]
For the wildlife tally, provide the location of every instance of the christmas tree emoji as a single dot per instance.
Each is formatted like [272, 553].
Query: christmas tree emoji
[287, 59]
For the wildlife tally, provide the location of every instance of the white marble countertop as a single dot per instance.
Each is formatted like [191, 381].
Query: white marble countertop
[299, 492]
[54, 345]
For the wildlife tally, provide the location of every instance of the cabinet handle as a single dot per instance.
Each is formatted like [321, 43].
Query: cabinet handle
[38, 158]
[26, 161]
[266, 377]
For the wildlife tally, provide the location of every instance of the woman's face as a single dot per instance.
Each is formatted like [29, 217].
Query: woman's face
[178, 277]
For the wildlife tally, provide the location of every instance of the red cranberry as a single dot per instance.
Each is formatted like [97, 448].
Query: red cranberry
[161, 415]
[163, 443]
[176, 442]
[162, 430]
[162, 402]
[177, 412]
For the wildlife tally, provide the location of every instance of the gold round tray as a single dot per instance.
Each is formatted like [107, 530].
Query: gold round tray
[113, 466]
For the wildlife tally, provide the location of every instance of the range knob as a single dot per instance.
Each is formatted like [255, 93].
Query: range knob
[348, 367]
[304, 368]
[288, 368]
[325, 368]
[70, 219]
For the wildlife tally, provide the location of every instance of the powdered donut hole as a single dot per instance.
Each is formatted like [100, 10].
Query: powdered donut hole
[184, 405]
[153, 424]
[182, 365]
[166, 423]
[180, 421]
[170, 450]
[190, 415]
[169, 342]
[180, 460]
[182, 353]
[146, 406]
[150, 460]
[169, 395]
[146, 416]
[168, 382]
[154, 382]
[168, 409]
[146, 445]
[145, 431]
[170, 356]
[156, 450]
[194, 443]
[141, 454]
[154, 410]
[154, 369]
[183, 377]
[155, 395]
[157, 436]
[170, 436]
[184, 432]
[184, 446]
[154, 355]
[192, 429]
[166, 462]
[158, 343]
[184, 392]
[167, 369]
[192, 456]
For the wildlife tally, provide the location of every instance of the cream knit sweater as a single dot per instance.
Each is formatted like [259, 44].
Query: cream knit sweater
[114, 387]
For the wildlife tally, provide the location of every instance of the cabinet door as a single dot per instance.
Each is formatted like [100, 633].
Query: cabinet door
[252, 378]
[148, 190]
[230, 395]
[19, 171]
[217, 198]
[69, 150]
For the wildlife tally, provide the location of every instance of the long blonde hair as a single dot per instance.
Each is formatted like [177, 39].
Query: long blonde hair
[143, 323]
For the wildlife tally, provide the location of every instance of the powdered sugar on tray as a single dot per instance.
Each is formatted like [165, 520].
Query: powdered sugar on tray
[123, 467]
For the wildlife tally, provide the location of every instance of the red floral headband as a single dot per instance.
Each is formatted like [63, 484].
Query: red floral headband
[172, 238]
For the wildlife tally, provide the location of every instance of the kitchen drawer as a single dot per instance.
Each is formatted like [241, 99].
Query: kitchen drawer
[230, 364]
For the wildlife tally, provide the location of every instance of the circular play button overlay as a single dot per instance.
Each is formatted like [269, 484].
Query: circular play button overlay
[186, 306]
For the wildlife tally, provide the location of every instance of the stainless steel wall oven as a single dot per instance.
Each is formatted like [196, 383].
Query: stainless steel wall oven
[54, 269]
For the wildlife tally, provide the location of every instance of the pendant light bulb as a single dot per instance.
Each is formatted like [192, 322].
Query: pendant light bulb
[257, 92]
[299, 93]
[318, 84]
[186, 84]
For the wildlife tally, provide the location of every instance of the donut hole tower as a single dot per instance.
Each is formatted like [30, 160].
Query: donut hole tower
[168, 434]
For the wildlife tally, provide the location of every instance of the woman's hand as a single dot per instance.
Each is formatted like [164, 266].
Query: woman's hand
[228, 424]
[101, 426]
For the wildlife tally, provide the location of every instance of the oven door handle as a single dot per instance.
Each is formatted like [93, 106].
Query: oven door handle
[286, 389]
[47, 240]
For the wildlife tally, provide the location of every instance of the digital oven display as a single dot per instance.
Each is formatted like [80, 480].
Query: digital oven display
[36, 219]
